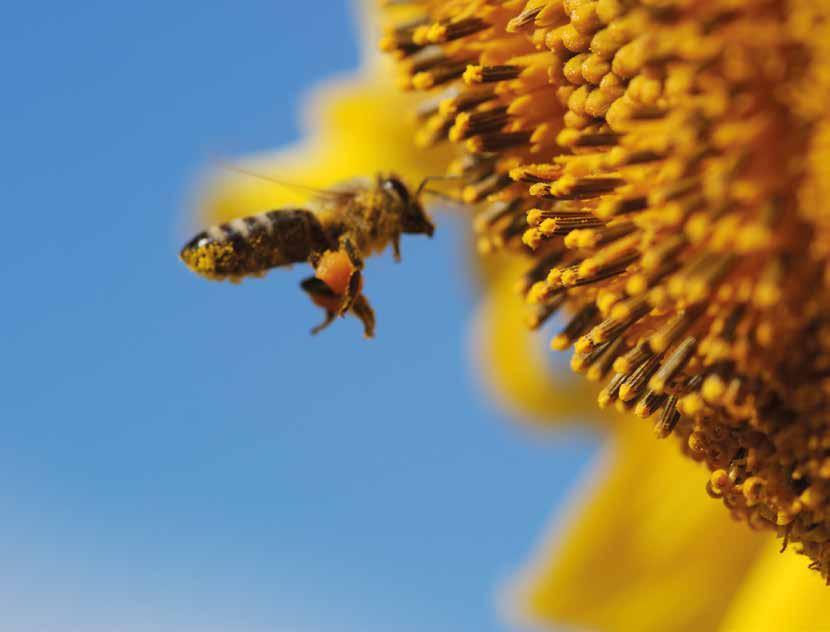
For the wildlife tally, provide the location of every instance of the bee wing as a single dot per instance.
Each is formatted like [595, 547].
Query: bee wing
[330, 199]
[351, 187]
[338, 194]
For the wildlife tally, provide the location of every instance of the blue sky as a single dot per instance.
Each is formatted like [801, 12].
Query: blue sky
[179, 455]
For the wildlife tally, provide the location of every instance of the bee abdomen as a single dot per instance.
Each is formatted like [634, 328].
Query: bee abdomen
[251, 245]
[296, 233]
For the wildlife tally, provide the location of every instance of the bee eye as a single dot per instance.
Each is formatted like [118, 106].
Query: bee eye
[393, 184]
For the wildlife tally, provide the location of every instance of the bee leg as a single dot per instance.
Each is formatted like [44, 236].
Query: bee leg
[396, 248]
[330, 316]
[314, 258]
[352, 252]
[322, 296]
[366, 314]
[352, 292]
[356, 279]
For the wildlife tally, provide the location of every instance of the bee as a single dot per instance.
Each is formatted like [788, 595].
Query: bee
[341, 227]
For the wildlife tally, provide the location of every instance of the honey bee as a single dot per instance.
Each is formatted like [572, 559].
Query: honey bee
[341, 227]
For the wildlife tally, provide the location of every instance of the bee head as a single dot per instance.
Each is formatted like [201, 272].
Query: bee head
[208, 257]
[414, 219]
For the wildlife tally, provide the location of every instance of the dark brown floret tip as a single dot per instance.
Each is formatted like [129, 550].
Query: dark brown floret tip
[665, 169]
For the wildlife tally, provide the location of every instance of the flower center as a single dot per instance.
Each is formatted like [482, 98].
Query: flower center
[664, 166]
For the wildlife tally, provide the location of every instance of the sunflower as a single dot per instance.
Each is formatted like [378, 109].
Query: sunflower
[641, 548]
[663, 166]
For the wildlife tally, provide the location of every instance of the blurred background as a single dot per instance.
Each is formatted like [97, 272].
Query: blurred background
[179, 455]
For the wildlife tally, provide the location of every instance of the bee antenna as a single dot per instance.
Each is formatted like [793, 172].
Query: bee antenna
[422, 187]
[444, 196]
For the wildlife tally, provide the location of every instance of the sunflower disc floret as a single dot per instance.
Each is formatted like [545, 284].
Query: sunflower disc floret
[663, 165]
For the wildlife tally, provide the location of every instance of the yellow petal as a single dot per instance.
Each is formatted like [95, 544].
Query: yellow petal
[645, 548]
[358, 126]
[512, 359]
[780, 595]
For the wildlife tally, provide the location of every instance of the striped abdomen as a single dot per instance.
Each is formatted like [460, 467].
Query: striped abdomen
[252, 245]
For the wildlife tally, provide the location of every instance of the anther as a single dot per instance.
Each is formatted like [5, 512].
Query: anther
[610, 393]
[542, 313]
[475, 74]
[448, 31]
[578, 325]
[469, 124]
[649, 404]
[636, 382]
[668, 418]
[675, 363]
[523, 19]
[488, 143]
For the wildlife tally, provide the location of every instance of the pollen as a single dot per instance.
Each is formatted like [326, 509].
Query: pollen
[335, 269]
[208, 258]
[666, 167]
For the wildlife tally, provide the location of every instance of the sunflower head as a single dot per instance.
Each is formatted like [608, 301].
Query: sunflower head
[663, 163]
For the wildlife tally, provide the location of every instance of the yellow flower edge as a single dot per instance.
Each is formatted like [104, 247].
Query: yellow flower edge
[778, 596]
[355, 129]
[511, 360]
[641, 550]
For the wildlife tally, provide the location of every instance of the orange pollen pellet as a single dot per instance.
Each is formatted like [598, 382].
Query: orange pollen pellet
[336, 270]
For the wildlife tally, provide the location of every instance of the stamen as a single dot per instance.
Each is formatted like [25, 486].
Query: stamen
[465, 101]
[492, 214]
[469, 124]
[635, 383]
[578, 325]
[523, 19]
[479, 191]
[540, 270]
[611, 392]
[668, 419]
[439, 75]
[601, 367]
[542, 313]
[664, 337]
[634, 358]
[570, 187]
[489, 74]
[676, 361]
[613, 206]
[650, 404]
[499, 141]
[448, 31]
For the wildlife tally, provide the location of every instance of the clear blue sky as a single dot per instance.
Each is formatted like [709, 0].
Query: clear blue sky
[173, 453]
